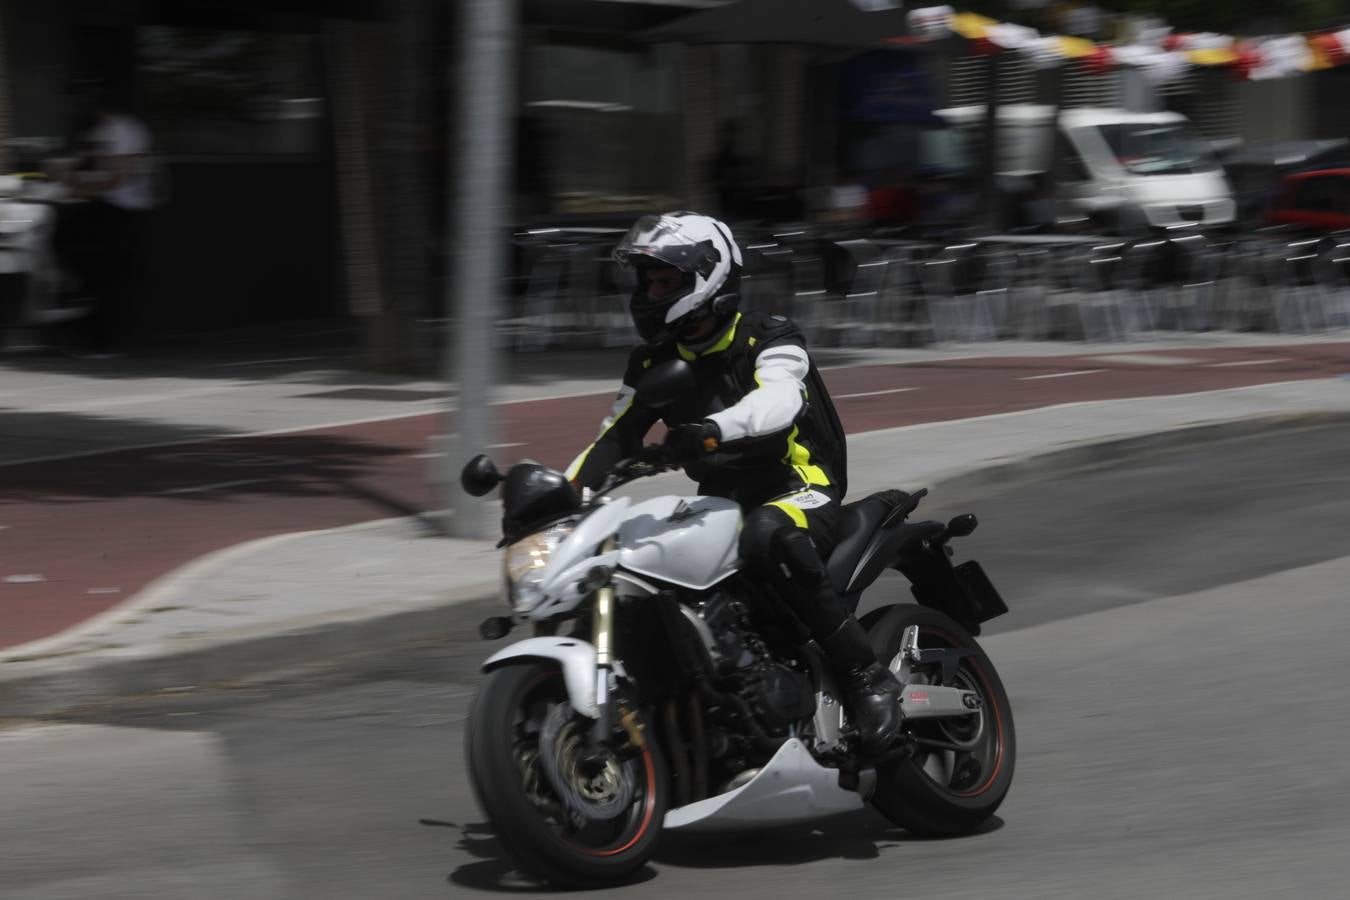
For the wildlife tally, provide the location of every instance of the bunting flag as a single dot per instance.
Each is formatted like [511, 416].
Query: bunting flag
[1162, 56]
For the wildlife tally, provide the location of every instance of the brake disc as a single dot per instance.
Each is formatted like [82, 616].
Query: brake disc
[606, 794]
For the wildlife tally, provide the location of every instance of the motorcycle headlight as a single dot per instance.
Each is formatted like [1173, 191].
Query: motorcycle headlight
[524, 562]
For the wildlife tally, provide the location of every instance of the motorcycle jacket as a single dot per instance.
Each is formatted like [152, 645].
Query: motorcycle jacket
[779, 429]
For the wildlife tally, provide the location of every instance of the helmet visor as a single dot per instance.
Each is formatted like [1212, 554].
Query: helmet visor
[663, 239]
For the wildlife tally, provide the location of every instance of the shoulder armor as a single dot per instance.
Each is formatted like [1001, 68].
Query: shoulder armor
[641, 359]
[766, 328]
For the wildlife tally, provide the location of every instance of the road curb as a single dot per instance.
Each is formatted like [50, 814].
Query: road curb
[52, 685]
[55, 684]
[1109, 449]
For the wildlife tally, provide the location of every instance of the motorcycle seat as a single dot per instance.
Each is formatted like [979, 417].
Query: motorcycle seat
[858, 522]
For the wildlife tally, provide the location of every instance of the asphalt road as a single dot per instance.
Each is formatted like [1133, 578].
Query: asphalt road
[1175, 521]
[1170, 746]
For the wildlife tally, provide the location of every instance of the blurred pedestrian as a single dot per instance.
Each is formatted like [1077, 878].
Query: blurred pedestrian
[117, 177]
[847, 203]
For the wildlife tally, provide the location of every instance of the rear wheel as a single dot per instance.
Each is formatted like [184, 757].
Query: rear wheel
[575, 824]
[963, 765]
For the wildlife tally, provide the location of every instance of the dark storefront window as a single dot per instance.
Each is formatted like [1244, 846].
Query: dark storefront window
[240, 118]
[600, 132]
[219, 92]
[887, 122]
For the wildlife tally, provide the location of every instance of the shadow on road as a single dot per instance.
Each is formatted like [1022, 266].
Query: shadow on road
[313, 353]
[496, 872]
[29, 434]
[861, 835]
[857, 835]
[287, 465]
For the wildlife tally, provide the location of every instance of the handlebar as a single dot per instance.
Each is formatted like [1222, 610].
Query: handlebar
[653, 459]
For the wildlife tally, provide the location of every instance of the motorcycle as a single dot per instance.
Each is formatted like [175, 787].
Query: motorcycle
[665, 690]
[28, 271]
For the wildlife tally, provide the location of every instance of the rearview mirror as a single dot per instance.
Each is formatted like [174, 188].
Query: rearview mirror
[479, 476]
[960, 526]
[662, 385]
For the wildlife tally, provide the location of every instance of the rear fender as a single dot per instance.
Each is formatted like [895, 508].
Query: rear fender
[887, 547]
[963, 592]
[575, 657]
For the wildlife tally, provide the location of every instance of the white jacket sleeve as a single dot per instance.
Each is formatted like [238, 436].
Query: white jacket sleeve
[780, 372]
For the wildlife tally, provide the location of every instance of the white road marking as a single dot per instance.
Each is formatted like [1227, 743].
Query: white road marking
[263, 362]
[1061, 374]
[202, 488]
[874, 393]
[1247, 362]
[438, 454]
[228, 458]
[104, 591]
[1147, 359]
[24, 579]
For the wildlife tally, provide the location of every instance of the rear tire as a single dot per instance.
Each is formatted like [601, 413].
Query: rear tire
[526, 813]
[944, 792]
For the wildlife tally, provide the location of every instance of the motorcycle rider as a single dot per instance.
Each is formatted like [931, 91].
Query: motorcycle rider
[760, 397]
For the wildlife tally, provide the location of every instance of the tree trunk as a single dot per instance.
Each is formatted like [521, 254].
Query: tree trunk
[4, 91]
[343, 45]
[404, 186]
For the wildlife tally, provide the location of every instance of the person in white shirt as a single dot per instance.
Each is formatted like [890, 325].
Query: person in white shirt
[120, 145]
[118, 183]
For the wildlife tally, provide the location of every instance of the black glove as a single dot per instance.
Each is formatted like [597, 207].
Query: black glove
[693, 439]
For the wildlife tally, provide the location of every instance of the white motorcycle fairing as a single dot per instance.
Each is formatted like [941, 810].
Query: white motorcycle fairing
[686, 541]
[792, 787]
[565, 591]
[583, 540]
[576, 658]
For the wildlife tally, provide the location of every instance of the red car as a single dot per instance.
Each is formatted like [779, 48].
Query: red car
[1317, 200]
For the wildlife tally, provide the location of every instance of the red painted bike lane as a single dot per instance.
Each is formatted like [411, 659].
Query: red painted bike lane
[79, 536]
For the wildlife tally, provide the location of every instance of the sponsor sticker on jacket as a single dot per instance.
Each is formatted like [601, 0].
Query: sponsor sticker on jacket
[808, 500]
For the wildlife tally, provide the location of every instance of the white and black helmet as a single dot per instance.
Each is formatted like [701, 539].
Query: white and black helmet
[700, 247]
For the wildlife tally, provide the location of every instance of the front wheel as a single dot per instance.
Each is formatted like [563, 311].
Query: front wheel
[575, 823]
[963, 766]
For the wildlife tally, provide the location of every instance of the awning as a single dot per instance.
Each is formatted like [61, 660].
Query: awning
[822, 23]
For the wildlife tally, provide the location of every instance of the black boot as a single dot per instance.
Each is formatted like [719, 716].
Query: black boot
[873, 692]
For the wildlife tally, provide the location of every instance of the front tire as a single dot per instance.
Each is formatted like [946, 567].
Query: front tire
[943, 791]
[517, 704]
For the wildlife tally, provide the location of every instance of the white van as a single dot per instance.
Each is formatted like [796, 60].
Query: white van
[1121, 170]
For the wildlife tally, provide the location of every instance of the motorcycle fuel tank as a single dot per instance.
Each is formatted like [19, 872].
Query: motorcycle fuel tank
[687, 541]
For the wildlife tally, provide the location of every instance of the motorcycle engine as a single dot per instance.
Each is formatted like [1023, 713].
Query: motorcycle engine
[777, 694]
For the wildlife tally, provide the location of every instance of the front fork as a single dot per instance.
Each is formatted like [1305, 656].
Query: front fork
[602, 638]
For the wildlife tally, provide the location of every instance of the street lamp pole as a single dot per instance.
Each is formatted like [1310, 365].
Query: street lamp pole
[479, 210]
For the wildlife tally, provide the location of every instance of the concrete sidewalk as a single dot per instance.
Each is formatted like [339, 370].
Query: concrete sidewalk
[285, 601]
